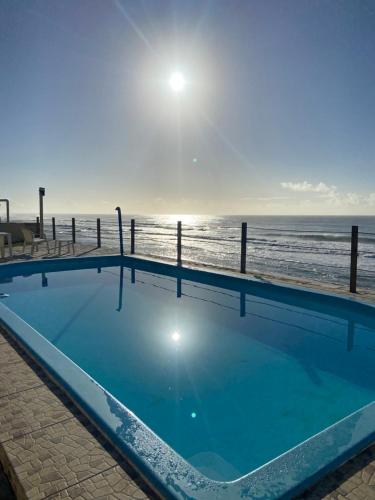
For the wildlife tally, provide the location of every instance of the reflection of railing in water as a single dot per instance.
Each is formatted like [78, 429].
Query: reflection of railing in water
[351, 326]
[121, 289]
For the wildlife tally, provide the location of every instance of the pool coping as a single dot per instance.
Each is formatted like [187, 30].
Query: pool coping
[155, 459]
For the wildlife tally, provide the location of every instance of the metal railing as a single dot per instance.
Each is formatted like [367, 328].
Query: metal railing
[220, 250]
[243, 241]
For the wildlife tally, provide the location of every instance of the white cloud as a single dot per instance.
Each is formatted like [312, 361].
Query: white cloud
[331, 194]
[307, 187]
[371, 199]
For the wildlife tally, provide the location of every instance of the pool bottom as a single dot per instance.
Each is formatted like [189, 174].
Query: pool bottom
[168, 470]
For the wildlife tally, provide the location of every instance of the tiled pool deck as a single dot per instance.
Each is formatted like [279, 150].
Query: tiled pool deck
[49, 449]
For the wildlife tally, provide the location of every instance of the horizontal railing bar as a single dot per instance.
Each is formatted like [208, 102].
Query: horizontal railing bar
[300, 263]
[298, 231]
[148, 224]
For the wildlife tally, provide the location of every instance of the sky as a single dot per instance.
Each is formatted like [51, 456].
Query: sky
[276, 115]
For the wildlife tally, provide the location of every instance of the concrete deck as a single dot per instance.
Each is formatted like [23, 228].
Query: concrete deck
[49, 449]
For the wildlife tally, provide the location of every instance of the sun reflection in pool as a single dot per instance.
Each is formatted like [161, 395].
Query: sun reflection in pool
[176, 336]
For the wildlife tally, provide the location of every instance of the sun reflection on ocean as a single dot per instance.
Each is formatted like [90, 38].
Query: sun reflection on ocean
[188, 219]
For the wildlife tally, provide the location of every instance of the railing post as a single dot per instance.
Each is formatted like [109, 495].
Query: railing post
[53, 228]
[243, 247]
[98, 234]
[179, 242]
[119, 216]
[132, 236]
[73, 229]
[353, 260]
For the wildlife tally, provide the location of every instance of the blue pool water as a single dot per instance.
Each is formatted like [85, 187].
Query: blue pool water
[230, 378]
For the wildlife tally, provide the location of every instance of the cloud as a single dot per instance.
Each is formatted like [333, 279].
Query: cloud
[265, 198]
[331, 194]
[307, 187]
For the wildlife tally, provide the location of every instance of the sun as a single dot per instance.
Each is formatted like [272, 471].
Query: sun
[177, 82]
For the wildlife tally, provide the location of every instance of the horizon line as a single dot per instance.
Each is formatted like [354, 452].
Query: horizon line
[196, 214]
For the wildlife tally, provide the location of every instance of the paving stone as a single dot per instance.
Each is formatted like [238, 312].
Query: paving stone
[365, 491]
[355, 480]
[8, 354]
[16, 377]
[27, 411]
[113, 484]
[40, 478]
[367, 474]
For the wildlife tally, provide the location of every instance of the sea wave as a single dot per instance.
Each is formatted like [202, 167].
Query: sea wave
[323, 237]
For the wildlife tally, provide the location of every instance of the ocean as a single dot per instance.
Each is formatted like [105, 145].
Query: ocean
[296, 246]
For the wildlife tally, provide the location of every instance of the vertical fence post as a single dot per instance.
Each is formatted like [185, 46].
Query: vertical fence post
[132, 236]
[179, 242]
[73, 229]
[119, 218]
[353, 260]
[243, 247]
[38, 227]
[98, 234]
[53, 228]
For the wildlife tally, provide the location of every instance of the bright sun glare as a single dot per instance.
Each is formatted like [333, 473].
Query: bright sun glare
[177, 82]
[188, 219]
[176, 336]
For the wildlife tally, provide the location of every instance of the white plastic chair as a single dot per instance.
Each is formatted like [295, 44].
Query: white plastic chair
[29, 239]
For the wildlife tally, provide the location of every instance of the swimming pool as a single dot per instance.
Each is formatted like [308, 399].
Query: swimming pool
[214, 386]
